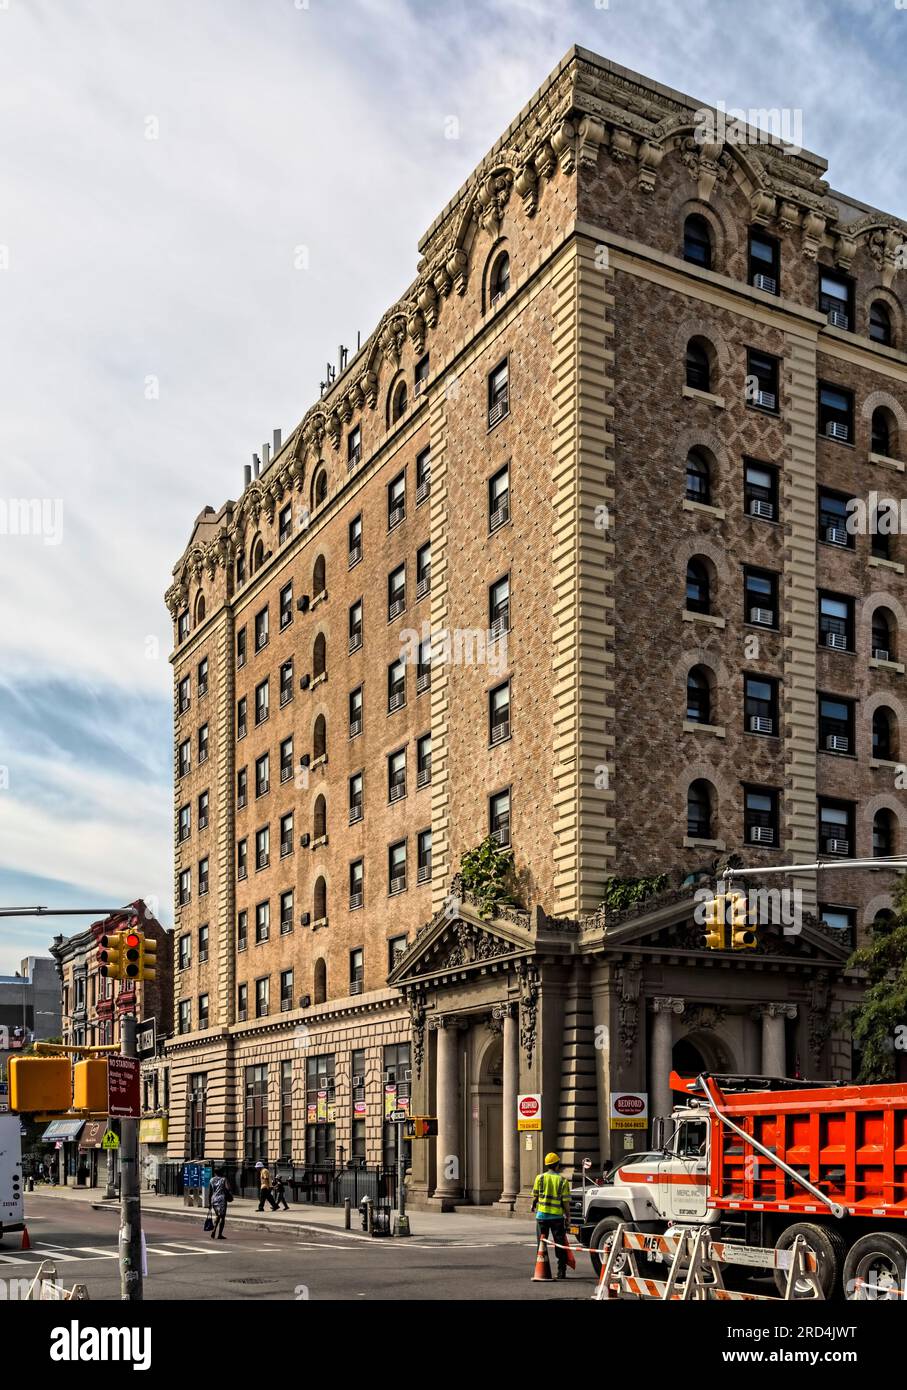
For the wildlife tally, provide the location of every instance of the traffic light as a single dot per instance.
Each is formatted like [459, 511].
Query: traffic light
[716, 924]
[39, 1084]
[89, 1085]
[147, 958]
[132, 954]
[420, 1127]
[110, 956]
[743, 937]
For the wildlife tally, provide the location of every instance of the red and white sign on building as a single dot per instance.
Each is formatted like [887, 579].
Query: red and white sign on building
[124, 1101]
[629, 1110]
[529, 1112]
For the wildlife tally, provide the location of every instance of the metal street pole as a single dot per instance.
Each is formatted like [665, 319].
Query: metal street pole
[402, 1224]
[130, 1199]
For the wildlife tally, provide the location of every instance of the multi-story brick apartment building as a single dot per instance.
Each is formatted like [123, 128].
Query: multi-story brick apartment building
[601, 449]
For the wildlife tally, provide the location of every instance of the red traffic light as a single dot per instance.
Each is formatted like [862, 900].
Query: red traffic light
[133, 940]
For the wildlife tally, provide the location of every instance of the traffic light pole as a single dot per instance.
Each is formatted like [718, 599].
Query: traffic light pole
[402, 1224]
[131, 1290]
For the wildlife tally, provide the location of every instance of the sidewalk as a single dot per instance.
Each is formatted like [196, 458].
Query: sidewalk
[436, 1226]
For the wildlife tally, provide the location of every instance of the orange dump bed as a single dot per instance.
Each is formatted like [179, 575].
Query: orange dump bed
[849, 1141]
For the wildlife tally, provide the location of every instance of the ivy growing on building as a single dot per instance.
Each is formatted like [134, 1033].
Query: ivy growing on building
[880, 1020]
[486, 873]
[621, 893]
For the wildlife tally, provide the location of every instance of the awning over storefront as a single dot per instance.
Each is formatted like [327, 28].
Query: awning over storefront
[92, 1134]
[63, 1129]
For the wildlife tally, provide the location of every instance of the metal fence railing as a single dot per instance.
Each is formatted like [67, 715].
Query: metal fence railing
[324, 1184]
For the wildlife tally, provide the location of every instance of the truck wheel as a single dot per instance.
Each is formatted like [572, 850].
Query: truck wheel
[879, 1261]
[829, 1248]
[600, 1244]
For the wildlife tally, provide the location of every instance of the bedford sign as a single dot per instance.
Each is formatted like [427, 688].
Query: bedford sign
[629, 1110]
[529, 1112]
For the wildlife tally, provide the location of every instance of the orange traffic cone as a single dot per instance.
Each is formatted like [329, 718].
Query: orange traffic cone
[26, 1243]
[542, 1267]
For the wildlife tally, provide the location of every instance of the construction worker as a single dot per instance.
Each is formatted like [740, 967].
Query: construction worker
[551, 1204]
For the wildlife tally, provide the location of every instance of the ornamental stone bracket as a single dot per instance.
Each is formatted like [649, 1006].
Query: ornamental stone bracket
[528, 979]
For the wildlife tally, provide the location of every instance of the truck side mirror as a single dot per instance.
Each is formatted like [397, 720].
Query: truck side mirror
[658, 1132]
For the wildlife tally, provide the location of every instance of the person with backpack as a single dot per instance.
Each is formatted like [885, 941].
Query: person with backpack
[219, 1198]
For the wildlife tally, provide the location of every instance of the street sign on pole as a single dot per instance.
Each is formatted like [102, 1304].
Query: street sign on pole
[110, 1140]
[146, 1038]
[124, 1100]
[396, 1117]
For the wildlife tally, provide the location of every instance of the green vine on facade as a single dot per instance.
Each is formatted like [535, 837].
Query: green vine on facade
[485, 873]
[621, 893]
[880, 1020]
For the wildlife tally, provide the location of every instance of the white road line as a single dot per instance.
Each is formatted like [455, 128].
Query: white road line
[196, 1249]
[14, 1260]
[100, 1252]
[56, 1252]
[158, 1250]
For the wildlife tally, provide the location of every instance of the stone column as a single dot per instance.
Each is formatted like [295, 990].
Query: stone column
[662, 1047]
[774, 1059]
[511, 1090]
[449, 1180]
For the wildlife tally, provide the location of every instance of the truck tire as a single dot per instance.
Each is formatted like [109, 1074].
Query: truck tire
[600, 1242]
[880, 1261]
[829, 1248]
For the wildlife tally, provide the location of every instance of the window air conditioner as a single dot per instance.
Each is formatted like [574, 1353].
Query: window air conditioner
[836, 535]
[767, 399]
[761, 724]
[836, 429]
[302, 603]
[837, 846]
[305, 840]
[762, 835]
[759, 507]
[838, 318]
[304, 682]
[765, 282]
[306, 1001]
[837, 743]
[763, 616]
[305, 918]
[836, 640]
[880, 654]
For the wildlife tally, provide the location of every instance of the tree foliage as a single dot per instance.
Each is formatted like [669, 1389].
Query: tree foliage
[883, 1011]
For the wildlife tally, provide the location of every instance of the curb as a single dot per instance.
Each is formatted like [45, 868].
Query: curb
[193, 1213]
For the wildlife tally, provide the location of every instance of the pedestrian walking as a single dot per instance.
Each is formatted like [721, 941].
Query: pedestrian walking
[264, 1187]
[280, 1193]
[220, 1196]
[551, 1204]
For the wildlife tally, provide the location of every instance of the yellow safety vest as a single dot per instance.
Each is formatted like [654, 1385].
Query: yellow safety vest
[552, 1191]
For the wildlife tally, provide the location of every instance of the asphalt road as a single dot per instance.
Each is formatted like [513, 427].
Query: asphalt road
[185, 1264]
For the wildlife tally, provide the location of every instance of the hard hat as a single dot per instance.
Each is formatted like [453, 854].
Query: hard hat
[259, 1164]
[551, 1158]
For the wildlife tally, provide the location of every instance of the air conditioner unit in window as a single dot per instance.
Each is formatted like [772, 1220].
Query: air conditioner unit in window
[285, 1004]
[765, 282]
[408, 1074]
[837, 743]
[880, 654]
[759, 507]
[305, 918]
[837, 846]
[836, 535]
[304, 682]
[305, 840]
[306, 1001]
[323, 1082]
[761, 724]
[358, 1081]
[305, 760]
[767, 399]
[762, 835]
[355, 986]
[390, 1075]
[499, 517]
[838, 318]
[497, 412]
[836, 429]
[836, 640]
[763, 616]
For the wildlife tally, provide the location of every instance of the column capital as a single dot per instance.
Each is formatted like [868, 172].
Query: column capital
[777, 1009]
[668, 1004]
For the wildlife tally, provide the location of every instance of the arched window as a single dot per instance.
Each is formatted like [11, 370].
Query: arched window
[883, 921]
[257, 557]
[880, 323]
[500, 277]
[320, 901]
[319, 488]
[884, 432]
[882, 834]
[697, 241]
[699, 486]
[320, 738]
[199, 609]
[699, 696]
[699, 367]
[321, 980]
[319, 656]
[240, 568]
[398, 404]
[320, 818]
[884, 735]
[883, 635]
[319, 577]
[699, 810]
[698, 594]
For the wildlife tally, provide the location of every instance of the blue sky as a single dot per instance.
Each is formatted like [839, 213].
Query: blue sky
[154, 327]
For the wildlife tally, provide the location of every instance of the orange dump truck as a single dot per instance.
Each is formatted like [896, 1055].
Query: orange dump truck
[761, 1160]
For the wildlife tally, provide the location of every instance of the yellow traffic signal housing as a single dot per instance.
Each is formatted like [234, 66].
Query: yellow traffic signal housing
[40, 1084]
[743, 937]
[420, 1127]
[132, 954]
[110, 956]
[89, 1085]
[716, 924]
[147, 959]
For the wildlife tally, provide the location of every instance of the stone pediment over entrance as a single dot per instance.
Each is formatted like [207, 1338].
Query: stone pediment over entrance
[461, 942]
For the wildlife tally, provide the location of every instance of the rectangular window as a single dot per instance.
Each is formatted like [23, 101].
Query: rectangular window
[760, 491]
[286, 990]
[286, 759]
[262, 847]
[286, 683]
[421, 376]
[423, 475]
[242, 1003]
[840, 919]
[396, 685]
[396, 866]
[242, 858]
[285, 524]
[397, 1082]
[499, 499]
[182, 626]
[184, 758]
[760, 816]
[355, 541]
[836, 413]
[203, 876]
[185, 952]
[202, 678]
[286, 606]
[423, 570]
[261, 702]
[499, 817]
[198, 1102]
[762, 380]
[262, 774]
[184, 694]
[262, 922]
[185, 887]
[241, 707]
[395, 948]
[423, 856]
[836, 827]
[356, 808]
[241, 647]
[286, 1105]
[836, 724]
[320, 1109]
[396, 501]
[423, 666]
[203, 1003]
[353, 447]
[203, 811]
[203, 744]
[357, 970]
[203, 943]
[396, 775]
[286, 911]
[498, 394]
[355, 626]
[836, 622]
[242, 930]
[185, 1016]
[242, 787]
[356, 711]
[185, 823]
[760, 705]
[836, 298]
[261, 629]
[833, 516]
[423, 760]
[356, 883]
[286, 834]
[396, 592]
[760, 597]
[499, 714]
[499, 607]
[256, 1114]
[764, 262]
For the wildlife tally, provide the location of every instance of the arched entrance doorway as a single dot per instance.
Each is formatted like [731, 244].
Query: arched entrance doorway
[486, 1169]
[699, 1052]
